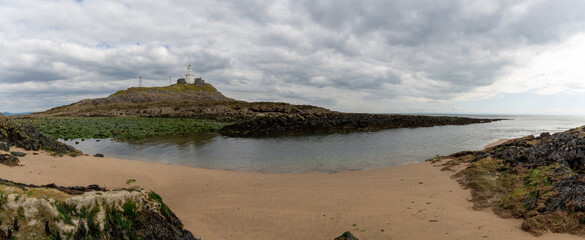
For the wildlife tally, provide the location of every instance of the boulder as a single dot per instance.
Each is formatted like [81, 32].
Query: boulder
[346, 236]
[18, 154]
[9, 160]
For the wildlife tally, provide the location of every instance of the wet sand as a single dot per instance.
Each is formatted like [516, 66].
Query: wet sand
[414, 201]
[496, 143]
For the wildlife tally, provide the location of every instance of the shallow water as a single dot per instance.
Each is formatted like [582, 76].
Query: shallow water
[326, 153]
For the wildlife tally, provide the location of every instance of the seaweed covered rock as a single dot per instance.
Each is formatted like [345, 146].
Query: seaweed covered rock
[9, 160]
[539, 179]
[48, 213]
[332, 122]
[29, 138]
[346, 236]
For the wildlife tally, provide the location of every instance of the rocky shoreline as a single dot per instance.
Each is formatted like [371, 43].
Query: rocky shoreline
[29, 138]
[335, 122]
[538, 179]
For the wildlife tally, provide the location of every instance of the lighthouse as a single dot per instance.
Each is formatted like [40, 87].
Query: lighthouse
[190, 77]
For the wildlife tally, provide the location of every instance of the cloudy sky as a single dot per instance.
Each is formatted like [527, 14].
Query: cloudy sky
[400, 56]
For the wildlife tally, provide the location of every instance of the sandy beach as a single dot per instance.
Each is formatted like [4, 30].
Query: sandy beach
[415, 201]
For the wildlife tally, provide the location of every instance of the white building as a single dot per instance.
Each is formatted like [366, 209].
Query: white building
[190, 77]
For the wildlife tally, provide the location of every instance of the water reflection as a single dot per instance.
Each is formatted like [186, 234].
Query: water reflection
[326, 153]
[179, 140]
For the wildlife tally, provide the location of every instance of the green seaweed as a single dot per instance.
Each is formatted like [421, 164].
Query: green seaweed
[117, 127]
[65, 211]
[163, 207]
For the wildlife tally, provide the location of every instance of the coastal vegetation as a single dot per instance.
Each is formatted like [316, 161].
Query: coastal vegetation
[29, 138]
[175, 88]
[51, 212]
[538, 179]
[117, 127]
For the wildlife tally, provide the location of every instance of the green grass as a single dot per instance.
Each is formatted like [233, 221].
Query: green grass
[117, 127]
[172, 88]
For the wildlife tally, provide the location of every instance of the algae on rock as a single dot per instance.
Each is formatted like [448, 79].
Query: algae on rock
[45, 213]
[29, 138]
[538, 179]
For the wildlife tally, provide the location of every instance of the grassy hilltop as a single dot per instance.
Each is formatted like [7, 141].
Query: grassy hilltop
[175, 88]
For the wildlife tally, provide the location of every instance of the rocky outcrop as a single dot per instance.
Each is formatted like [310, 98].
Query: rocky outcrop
[346, 236]
[9, 160]
[48, 213]
[29, 138]
[332, 122]
[538, 179]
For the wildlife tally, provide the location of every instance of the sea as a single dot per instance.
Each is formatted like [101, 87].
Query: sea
[326, 152]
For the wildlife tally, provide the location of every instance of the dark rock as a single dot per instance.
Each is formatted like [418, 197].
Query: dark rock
[9, 160]
[4, 236]
[18, 154]
[331, 122]
[571, 195]
[30, 138]
[346, 236]
[16, 226]
[47, 228]
[69, 190]
[98, 155]
[95, 187]
[4, 146]
[81, 231]
[157, 227]
[531, 200]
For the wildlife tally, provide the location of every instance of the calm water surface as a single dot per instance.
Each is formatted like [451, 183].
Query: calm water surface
[326, 153]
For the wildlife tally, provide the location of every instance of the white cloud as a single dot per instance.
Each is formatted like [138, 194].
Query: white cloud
[548, 70]
[346, 55]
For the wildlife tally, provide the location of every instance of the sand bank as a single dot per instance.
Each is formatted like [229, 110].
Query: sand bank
[496, 143]
[415, 201]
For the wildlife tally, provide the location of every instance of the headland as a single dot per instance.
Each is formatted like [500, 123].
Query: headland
[241, 118]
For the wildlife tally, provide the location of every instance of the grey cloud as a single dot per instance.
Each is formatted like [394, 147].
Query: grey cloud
[33, 75]
[384, 49]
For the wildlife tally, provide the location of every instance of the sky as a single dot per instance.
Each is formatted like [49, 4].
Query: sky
[400, 56]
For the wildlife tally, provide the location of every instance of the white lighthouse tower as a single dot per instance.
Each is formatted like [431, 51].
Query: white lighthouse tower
[190, 77]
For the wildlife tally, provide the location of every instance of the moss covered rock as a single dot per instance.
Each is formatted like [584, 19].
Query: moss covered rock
[48, 213]
[538, 179]
[29, 138]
